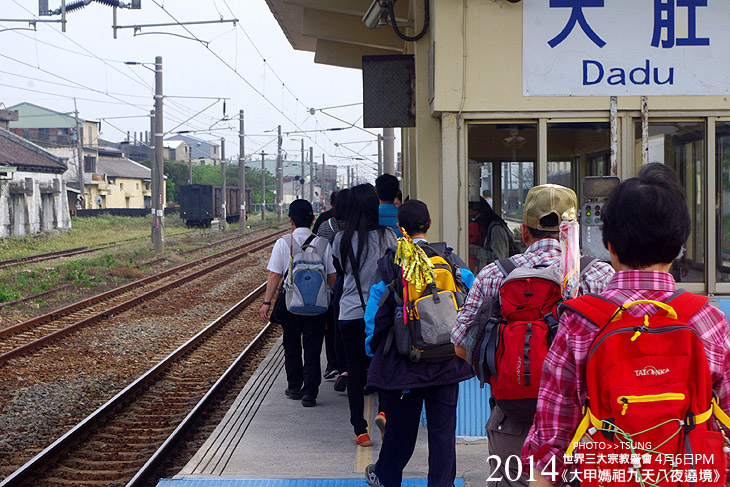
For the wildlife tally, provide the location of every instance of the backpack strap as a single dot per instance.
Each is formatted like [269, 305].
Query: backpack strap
[594, 308]
[291, 250]
[686, 305]
[356, 275]
[586, 262]
[505, 265]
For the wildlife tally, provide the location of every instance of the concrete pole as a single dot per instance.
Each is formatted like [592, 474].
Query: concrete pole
[190, 164]
[263, 187]
[279, 178]
[153, 180]
[311, 175]
[644, 131]
[389, 150]
[80, 155]
[324, 176]
[380, 155]
[301, 180]
[241, 175]
[224, 195]
[159, 157]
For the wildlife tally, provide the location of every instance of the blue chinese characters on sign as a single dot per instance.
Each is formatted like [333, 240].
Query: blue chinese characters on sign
[577, 17]
[664, 22]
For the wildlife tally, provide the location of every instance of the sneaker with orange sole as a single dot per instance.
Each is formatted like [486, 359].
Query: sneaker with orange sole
[363, 439]
[380, 423]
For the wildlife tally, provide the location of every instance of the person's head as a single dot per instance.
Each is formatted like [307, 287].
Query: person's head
[487, 194]
[646, 220]
[333, 199]
[340, 211]
[301, 213]
[362, 217]
[474, 210]
[398, 199]
[544, 206]
[386, 186]
[414, 218]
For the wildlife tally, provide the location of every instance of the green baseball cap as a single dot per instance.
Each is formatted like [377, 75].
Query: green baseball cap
[545, 199]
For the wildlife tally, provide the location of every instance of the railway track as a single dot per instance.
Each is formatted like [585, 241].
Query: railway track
[124, 440]
[42, 330]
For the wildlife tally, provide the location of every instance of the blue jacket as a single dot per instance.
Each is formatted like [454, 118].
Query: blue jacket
[395, 371]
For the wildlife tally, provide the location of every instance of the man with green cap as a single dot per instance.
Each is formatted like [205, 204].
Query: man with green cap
[544, 206]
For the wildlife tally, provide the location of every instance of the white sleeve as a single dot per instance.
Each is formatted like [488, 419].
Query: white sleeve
[277, 263]
[328, 261]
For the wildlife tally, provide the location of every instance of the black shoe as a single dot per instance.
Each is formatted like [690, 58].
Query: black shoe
[341, 383]
[308, 401]
[330, 374]
[293, 394]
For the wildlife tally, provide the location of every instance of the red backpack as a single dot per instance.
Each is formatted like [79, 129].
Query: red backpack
[650, 398]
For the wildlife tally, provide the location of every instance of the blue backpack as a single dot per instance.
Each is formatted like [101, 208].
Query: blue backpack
[305, 285]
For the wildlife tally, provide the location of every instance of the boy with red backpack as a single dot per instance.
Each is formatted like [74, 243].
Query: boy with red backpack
[507, 426]
[634, 370]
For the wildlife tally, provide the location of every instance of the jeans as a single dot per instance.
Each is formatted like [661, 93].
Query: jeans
[401, 431]
[304, 333]
[352, 333]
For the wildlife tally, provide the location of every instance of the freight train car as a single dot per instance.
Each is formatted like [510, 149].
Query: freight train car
[200, 204]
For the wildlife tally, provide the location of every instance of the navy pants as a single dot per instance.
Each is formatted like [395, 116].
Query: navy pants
[303, 334]
[352, 333]
[401, 430]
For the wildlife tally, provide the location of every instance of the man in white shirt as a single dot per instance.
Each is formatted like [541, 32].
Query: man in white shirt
[301, 333]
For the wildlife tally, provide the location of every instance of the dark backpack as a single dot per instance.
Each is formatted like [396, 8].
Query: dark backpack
[423, 320]
[513, 248]
[508, 340]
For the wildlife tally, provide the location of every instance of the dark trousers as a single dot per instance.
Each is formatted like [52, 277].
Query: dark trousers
[506, 436]
[401, 431]
[352, 333]
[303, 333]
[329, 342]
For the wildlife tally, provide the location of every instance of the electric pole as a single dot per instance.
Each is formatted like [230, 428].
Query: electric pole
[389, 150]
[324, 178]
[301, 180]
[311, 175]
[80, 155]
[224, 195]
[190, 164]
[279, 178]
[263, 187]
[241, 174]
[153, 179]
[380, 155]
[159, 159]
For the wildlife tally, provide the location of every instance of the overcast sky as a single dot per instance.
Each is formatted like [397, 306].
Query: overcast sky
[50, 68]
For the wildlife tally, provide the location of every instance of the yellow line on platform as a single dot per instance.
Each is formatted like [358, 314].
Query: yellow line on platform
[364, 455]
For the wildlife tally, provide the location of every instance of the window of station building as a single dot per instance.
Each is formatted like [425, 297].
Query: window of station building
[576, 150]
[681, 146]
[722, 185]
[502, 160]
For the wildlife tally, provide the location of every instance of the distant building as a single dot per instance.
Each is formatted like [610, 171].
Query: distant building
[32, 190]
[198, 150]
[118, 182]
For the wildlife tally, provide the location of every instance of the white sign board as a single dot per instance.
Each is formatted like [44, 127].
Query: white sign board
[626, 47]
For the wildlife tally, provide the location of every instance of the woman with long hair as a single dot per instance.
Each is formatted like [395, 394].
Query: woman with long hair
[356, 250]
[494, 237]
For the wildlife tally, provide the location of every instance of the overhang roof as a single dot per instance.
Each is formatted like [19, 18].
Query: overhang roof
[121, 167]
[27, 156]
[334, 30]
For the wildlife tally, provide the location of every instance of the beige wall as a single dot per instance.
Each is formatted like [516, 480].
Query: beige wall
[115, 195]
[494, 66]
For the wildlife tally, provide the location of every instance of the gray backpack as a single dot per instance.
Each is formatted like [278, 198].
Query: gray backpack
[305, 285]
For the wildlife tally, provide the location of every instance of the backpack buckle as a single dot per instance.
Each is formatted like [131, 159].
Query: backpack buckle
[690, 421]
[608, 428]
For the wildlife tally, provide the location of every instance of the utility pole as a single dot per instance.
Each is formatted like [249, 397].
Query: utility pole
[224, 195]
[311, 175]
[159, 159]
[380, 155]
[349, 183]
[153, 179]
[389, 150]
[241, 175]
[301, 180]
[80, 155]
[324, 177]
[279, 178]
[190, 164]
[263, 187]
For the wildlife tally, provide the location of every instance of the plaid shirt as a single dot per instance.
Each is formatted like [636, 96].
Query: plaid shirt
[543, 252]
[563, 389]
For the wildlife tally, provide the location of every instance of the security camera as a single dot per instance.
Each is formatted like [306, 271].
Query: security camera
[377, 14]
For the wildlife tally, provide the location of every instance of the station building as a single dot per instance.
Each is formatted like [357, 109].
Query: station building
[510, 94]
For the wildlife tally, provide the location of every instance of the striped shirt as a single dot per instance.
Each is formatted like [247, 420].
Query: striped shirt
[563, 389]
[388, 217]
[543, 252]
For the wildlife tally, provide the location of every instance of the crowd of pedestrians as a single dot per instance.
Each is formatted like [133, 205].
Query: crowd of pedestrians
[362, 244]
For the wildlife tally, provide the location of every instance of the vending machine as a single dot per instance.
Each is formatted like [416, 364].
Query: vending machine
[596, 190]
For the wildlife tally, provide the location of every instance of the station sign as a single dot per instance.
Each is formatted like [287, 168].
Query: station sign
[626, 47]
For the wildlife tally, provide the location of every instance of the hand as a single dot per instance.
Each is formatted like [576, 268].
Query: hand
[264, 312]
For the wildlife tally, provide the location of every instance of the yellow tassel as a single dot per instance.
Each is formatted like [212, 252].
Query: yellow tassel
[416, 266]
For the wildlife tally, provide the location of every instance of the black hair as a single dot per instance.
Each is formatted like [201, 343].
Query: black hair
[551, 220]
[646, 219]
[362, 217]
[340, 212]
[413, 216]
[399, 196]
[333, 198]
[486, 215]
[301, 213]
[386, 187]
